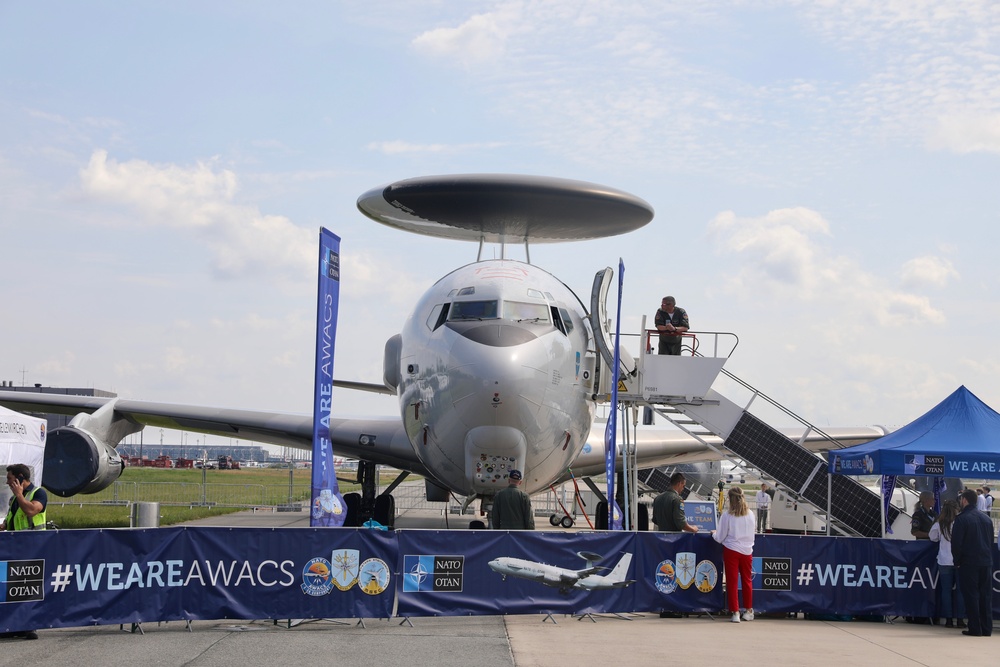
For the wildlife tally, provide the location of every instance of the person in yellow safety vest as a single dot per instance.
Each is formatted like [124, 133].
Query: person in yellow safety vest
[27, 506]
[27, 512]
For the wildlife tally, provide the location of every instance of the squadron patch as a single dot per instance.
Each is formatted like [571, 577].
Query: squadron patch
[317, 578]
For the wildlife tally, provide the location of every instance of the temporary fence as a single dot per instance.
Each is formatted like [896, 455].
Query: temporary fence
[62, 578]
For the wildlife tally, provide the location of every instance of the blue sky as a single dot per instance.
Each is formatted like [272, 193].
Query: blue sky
[824, 176]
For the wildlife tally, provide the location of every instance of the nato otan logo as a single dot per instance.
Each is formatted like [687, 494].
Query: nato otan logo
[332, 264]
[433, 574]
[22, 580]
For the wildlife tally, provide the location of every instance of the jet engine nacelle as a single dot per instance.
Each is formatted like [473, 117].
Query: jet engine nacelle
[81, 457]
[77, 461]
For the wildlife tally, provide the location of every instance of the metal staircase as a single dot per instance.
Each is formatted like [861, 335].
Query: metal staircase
[751, 443]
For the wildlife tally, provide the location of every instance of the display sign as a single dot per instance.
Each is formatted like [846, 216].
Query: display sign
[701, 513]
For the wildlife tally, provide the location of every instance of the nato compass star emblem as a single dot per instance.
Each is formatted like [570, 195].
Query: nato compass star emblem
[415, 576]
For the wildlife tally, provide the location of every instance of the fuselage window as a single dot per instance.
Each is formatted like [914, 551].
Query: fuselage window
[473, 310]
[557, 320]
[567, 320]
[438, 316]
[520, 311]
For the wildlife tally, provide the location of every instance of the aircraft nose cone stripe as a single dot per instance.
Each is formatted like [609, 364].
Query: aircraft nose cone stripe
[493, 334]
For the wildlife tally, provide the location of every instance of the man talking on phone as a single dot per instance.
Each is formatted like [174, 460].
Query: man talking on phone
[27, 506]
[26, 512]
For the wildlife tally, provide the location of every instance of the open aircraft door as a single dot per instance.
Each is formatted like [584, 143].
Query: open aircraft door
[605, 339]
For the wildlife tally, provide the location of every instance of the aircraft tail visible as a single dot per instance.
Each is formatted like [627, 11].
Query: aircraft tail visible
[621, 570]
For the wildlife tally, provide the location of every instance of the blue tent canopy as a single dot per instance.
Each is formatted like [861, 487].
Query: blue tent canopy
[959, 437]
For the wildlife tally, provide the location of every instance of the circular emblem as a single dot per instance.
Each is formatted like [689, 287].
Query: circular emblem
[666, 577]
[316, 577]
[373, 577]
[706, 576]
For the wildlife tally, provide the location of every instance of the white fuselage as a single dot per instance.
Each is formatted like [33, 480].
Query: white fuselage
[496, 373]
[561, 577]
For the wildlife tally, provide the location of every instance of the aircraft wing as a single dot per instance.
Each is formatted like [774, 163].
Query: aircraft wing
[664, 447]
[378, 439]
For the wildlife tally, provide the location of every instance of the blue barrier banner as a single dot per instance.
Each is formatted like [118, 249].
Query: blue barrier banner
[105, 577]
[516, 572]
[328, 507]
[679, 572]
[857, 576]
[70, 578]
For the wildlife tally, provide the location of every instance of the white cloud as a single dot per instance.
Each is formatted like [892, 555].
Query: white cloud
[482, 38]
[243, 240]
[927, 272]
[967, 133]
[780, 252]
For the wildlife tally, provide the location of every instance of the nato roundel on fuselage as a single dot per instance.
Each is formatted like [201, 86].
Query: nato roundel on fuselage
[505, 208]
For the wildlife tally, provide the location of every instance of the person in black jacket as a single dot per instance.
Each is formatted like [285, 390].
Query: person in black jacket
[972, 549]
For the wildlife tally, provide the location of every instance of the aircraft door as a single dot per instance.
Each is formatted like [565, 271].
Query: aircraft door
[604, 337]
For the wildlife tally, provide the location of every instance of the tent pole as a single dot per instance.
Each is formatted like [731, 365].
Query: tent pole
[881, 506]
[829, 501]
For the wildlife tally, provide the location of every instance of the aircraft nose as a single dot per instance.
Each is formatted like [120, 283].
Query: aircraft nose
[494, 334]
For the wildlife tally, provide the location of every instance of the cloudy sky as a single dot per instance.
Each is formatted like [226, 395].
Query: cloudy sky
[824, 174]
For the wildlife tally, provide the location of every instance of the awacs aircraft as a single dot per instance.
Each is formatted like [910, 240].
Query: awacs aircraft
[562, 578]
[494, 369]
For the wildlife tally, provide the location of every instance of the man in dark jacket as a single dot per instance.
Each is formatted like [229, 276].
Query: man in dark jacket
[512, 506]
[972, 549]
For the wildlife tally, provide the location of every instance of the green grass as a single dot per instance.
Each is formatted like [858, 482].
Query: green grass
[118, 516]
[99, 511]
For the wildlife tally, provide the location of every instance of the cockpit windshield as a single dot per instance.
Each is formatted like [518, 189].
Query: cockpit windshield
[517, 311]
[522, 312]
[473, 310]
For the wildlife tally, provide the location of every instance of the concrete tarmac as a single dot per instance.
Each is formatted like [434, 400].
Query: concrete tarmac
[495, 641]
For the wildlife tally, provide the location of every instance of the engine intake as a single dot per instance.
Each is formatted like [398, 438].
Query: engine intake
[78, 462]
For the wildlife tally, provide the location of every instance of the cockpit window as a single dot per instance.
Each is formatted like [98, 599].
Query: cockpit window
[567, 320]
[520, 311]
[473, 310]
[535, 294]
[438, 316]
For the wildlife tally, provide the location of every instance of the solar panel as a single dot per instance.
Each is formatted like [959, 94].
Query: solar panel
[803, 473]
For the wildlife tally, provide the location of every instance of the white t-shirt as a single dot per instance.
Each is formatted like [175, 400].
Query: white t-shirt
[944, 556]
[736, 532]
[763, 500]
[981, 503]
